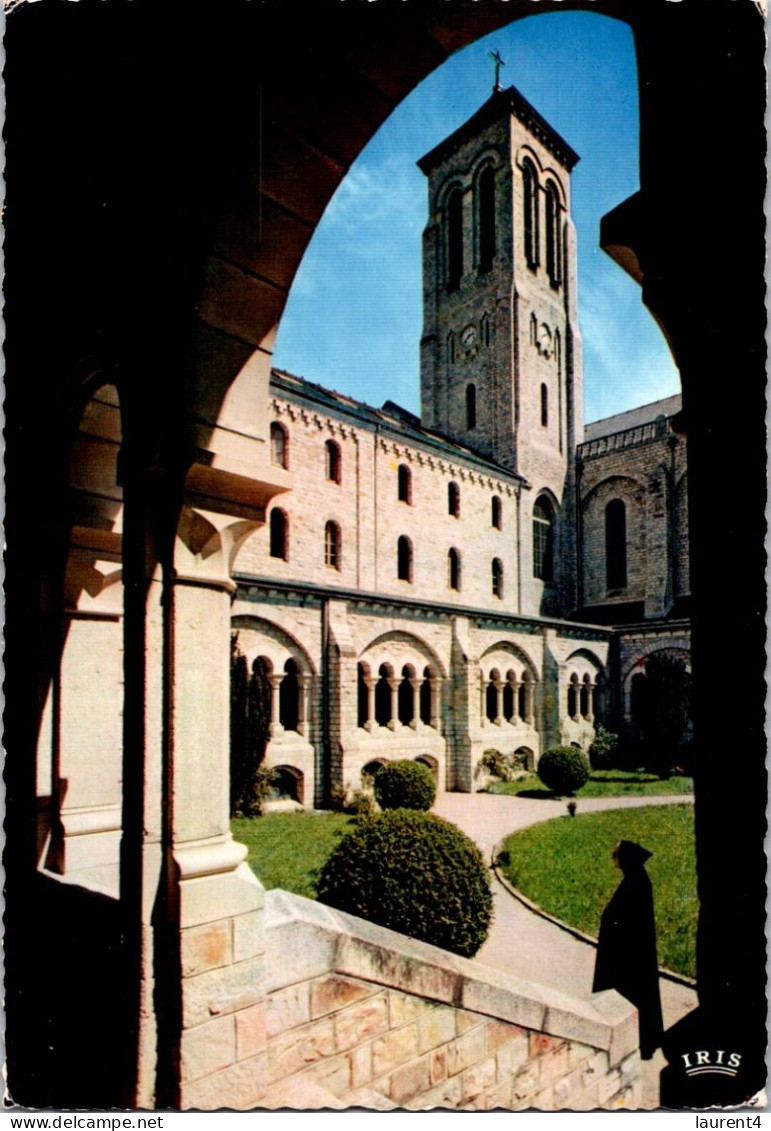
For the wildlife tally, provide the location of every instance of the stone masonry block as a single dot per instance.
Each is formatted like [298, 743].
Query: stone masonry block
[402, 1008]
[240, 1086]
[544, 1100]
[478, 1079]
[578, 1053]
[553, 1065]
[512, 1056]
[499, 1096]
[361, 1021]
[438, 1065]
[333, 992]
[360, 1060]
[394, 1048]
[248, 938]
[288, 1008]
[484, 996]
[525, 1083]
[566, 1088]
[447, 1094]
[436, 1026]
[630, 1068]
[251, 1036]
[220, 991]
[206, 947]
[207, 1048]
[499, 1033]
[465, 1051]
[608, 1086]
[410, 1080]
[465, 1020]
[334, 1075]
[298, 1048]
[541, 1043]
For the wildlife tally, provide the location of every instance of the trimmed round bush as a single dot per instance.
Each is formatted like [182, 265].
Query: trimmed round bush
[405, 785]
[563, 769]
[415, 873]
[601, 751]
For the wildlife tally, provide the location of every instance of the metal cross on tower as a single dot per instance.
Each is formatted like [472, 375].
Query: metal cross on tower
[496, 57]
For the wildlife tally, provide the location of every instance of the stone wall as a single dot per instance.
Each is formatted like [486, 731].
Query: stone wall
[357, 1015]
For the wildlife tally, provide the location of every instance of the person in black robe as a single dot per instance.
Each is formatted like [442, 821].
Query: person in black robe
[626, 948]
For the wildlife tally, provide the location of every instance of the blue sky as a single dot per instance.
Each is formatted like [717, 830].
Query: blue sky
[354, 316]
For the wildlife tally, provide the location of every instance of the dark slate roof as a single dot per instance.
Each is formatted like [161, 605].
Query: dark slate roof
[645, 414]
[398, 421]
[501, 101]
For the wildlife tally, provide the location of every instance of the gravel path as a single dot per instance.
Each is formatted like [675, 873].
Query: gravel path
[532, 947]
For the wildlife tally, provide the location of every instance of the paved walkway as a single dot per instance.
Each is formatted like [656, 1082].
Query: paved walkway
[531, 947]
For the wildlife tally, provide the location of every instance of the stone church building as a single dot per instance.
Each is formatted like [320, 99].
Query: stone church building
[493, 574]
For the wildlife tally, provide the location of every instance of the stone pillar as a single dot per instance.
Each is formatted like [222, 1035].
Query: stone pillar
[86, 778]
[529, 701]
[416, 683]
[514, 702]
[275, 682]
[482, 700]
[498, 685]
[303, 686]
[218, 898]
[393, 682]
[371, 682]
[435, 684]
[590, 689]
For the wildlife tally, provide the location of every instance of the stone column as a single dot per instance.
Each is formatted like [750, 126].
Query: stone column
[435, 684]
[86, 763]
[275, 682]
[482, 700]
[416, 683]
[303, 686]
[514, 702]
[498, 684]
[529, 701]
[590, 689]
[393, 682]
[218, 898]
[371, 682]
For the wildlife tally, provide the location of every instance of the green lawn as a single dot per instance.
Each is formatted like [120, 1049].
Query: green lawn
[286, 850]
[565, 867]
[604, 783]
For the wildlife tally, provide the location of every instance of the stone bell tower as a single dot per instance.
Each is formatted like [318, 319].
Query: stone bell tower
[500, 352]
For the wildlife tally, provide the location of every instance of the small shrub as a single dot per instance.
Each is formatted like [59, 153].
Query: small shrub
[253, 797]
[602, 748]
[415, 873]
[563, 769]
[360, 803]
[405, 785]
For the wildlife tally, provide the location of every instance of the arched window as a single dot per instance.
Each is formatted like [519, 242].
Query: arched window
[491, 696]
[471, 406]
[615, 544]
[486, 332]
[453, 499]
[573, 694]
[454, 239]
[425, 697]
[451, 347]
[332, 545]
[497, 577]
[289, 697]
[543, 541]
[404, 558]
[333, 460]
[486, 218]
[279, 534]
[405, 483]
[362, 695]
[383, 696]
[530, 216]
[279, 445]
[405, 696]
[509, 690]
[553, 241]
[453, 569]
[544, 406]
[497, 512]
